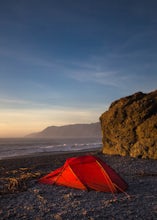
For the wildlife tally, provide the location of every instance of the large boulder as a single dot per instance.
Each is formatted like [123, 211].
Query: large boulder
[129, 127]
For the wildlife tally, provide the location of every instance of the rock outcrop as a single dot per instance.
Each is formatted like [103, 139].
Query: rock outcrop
[129, 127]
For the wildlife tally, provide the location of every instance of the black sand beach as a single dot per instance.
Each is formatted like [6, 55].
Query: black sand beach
[22, 197]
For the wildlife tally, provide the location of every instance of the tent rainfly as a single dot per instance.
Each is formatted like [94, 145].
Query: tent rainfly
[86, 173]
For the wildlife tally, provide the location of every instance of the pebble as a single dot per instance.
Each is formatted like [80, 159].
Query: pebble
[56, 202]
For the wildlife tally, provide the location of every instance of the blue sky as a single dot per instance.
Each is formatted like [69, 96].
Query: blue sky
[65, 61]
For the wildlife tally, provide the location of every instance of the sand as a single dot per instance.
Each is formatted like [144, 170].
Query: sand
[22, 197]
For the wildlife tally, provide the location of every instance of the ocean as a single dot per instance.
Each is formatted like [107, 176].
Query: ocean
[16, 147]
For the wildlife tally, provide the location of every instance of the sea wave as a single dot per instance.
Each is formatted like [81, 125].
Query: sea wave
[20, 147]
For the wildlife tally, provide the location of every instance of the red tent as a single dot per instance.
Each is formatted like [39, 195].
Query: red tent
[86, 173]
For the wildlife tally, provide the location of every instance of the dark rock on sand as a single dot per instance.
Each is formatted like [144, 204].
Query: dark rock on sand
[130, 126]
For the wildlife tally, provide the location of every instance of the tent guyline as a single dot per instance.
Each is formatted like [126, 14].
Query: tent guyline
[86, 173]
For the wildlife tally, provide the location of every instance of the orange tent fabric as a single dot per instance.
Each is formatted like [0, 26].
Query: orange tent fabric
[86, 173]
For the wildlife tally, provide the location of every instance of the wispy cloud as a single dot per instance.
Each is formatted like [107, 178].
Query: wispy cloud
[108, 78]
[13, 101]
[27, 56]
[28, 103]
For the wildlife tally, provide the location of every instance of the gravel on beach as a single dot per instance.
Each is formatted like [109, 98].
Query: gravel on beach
[22, 197]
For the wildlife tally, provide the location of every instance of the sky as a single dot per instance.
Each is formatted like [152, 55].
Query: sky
[65, 61]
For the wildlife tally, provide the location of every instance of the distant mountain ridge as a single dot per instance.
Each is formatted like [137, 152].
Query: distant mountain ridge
[92, 130]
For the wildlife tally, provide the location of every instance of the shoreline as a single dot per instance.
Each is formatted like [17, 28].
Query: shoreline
[40, 154]
[25, 198]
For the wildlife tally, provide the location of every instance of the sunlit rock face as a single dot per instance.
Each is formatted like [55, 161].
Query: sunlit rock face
[129, 127]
